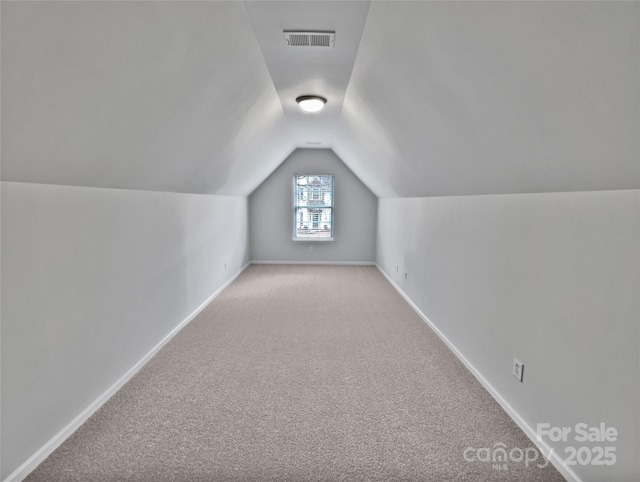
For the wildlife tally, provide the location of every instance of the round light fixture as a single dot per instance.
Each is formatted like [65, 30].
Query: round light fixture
[311, 103]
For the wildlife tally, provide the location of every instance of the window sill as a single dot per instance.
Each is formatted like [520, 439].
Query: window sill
[312, 240]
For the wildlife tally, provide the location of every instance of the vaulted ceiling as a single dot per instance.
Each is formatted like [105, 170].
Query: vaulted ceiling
[424, 98]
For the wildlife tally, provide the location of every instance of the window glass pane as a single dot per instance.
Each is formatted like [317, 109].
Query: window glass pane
[313, 206]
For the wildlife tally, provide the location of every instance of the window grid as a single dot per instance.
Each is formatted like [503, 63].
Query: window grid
[313, 207]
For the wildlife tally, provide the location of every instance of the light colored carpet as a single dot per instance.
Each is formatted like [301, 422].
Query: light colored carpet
[298, 373]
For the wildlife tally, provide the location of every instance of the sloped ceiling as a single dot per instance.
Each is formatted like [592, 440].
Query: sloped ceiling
[458, 98]
[425, 98]
[170, 96]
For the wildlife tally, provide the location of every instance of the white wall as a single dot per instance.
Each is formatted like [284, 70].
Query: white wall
[552, 279]
[92, 280]
[271, 214]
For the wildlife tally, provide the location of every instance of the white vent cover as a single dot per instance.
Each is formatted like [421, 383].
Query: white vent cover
[296, 38]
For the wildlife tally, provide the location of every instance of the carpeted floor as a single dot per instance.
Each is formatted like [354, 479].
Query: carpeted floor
[299, 373]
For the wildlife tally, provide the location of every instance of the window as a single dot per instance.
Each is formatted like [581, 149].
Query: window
[313, 207]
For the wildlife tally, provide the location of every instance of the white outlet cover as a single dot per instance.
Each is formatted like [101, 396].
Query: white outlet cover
[518, 369]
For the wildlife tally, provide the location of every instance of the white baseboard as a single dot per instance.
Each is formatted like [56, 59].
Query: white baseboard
[47, 449]
[545, 449]
[329, 263]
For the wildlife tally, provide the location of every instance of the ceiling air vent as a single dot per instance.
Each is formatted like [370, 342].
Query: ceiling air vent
[296, 38]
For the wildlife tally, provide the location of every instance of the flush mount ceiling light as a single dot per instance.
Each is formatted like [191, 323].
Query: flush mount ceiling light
[311, 103]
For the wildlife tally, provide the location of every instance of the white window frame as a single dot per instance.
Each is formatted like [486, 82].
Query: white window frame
[300, 204]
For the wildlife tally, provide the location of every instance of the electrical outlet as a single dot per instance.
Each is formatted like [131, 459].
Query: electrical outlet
[397, 268]
[311, 249]
[518, 369]
[406, 275]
